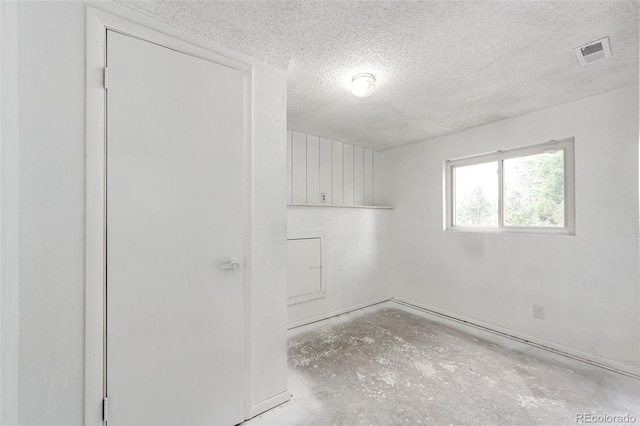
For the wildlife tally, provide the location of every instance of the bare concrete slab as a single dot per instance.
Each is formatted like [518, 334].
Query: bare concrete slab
[391, 365]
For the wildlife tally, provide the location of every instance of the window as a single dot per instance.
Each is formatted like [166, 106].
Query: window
[527, 190]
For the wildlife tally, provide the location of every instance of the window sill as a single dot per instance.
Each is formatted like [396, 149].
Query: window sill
[513, 230]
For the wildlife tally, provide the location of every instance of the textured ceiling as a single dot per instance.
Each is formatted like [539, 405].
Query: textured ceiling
[440, 66]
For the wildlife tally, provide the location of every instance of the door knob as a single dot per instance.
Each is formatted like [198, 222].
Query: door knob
[232, 264]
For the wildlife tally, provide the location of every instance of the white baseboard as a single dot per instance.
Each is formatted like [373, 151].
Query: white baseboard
[270, 403]
[336, 313]
[524, 338]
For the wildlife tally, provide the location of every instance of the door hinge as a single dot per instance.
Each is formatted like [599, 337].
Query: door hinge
[105, 410]
[106, 78]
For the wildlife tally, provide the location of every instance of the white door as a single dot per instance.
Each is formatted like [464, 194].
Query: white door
[175, 319]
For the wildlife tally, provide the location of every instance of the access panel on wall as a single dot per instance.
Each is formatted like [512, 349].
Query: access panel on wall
[175, 318]
[304, 276]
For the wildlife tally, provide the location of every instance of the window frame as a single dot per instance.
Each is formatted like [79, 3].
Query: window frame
[567, 145]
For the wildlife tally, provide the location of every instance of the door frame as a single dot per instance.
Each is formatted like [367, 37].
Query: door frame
[97, 23]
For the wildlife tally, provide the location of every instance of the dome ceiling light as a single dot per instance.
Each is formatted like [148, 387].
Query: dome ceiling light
[363, 85]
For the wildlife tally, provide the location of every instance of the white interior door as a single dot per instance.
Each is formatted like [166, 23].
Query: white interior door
[175, 319]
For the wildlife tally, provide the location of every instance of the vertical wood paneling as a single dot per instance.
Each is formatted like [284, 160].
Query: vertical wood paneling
[337, 173]
[368, 177]
[325, 170]
[348, 175]
[377, 178]
[313, 169]
[289, 166]
[358, 176]
[299, 170]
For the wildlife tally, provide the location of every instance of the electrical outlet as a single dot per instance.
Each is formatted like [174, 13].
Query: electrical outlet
[538, 311]
[323, 197]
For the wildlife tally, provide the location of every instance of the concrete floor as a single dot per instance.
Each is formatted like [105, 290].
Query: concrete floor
[393, 365]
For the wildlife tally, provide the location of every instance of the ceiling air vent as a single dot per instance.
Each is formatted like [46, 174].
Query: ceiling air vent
[594, 51]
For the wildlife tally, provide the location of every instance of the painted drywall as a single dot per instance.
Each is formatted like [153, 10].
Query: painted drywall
[354, 270]
[588, 283]
[269, 226]
[355, 263]
[51, 193]
[50, 98]
[9, 213]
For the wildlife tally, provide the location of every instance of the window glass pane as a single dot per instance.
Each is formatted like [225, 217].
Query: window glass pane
[534, 190]
[476, 195]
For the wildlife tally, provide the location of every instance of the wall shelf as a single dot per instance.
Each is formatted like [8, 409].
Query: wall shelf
[341, 207]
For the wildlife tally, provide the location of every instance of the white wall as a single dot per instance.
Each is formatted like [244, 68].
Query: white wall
[50, 99]
[51, 271]
[588, 283]
[348, 175]
[355, 262]
[268, 266]
[9, 213]
[354, 267]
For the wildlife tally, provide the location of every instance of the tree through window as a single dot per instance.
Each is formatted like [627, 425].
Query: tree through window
[523, 189]
[534, 190]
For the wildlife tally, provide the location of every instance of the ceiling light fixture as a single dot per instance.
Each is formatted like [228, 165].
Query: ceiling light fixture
[363, 85]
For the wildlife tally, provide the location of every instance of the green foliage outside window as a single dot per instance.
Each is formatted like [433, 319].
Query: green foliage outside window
[534, 190]
[476, 209]
[533, 193]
